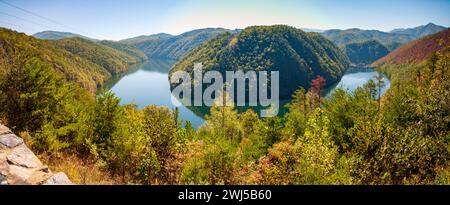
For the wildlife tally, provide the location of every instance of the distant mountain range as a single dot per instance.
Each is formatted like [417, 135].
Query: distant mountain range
[57, 35]
[174, 47]
[392, 40]
[420, 31]
[139, 39]
[416, 51]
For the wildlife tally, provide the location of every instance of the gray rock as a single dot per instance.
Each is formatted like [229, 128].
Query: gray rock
[19, 175]
[22, 156]
[3, 180]
[10, 140]
[4, 130]
[58, 179]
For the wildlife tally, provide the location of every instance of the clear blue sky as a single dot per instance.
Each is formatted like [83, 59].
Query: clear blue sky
[118, 19]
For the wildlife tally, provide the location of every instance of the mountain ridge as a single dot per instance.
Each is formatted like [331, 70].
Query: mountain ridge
[392, 40]
[297, 55]
[416, 51]
[58, 35]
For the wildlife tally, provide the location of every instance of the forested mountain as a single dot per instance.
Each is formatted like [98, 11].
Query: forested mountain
[18, 47]
[80, 60]
[128, 49]
[113, 60]
[140, 39]
[417, 51]
[175, 47]
[353, 137]
[420, 31]
[365, 53]
[344, 37]
[134, 54]
[391, 40]
[56, 35]
[299, 56]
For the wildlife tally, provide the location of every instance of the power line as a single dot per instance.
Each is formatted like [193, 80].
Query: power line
[20, 18]
[45, 18]
[7, 23]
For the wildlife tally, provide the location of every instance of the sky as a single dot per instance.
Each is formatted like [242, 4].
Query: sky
[120, 19]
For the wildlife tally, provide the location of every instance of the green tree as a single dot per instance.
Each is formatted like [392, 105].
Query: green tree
[316, 150]
[212, 164]
[160, 128]
[105, 120]
[38, 100]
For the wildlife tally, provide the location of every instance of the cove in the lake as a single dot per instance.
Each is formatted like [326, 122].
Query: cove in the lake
[148, 84]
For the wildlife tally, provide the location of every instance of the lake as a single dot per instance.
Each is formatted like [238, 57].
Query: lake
[148, 84]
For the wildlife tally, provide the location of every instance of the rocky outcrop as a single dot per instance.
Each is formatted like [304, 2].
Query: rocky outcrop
[19, 165]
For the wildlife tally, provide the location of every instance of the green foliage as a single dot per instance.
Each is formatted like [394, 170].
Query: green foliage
[160, 129]
[36, 99]
[173, 47]
[18, 47]
[390, 40]
[357, 137]
[137, 55]
[103, 54]
[365, 53]
[317, 152]
[107, 112]
[345, 109]
[297, 55]
[214, 164]
[223, 120]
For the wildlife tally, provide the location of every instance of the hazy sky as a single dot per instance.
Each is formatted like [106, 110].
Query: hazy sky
[118, 19]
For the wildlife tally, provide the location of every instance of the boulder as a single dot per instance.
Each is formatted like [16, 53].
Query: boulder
[19, 165]
[10, 140]
[22, 156]
[3, 180]
[4, 130]
[58, 179]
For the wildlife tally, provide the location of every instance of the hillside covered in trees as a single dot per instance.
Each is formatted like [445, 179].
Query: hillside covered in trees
[58, 35]
[115, 61]
[17, 48]
[298, 56]
[353, 137]
[391, 40]
[88, 63]
[173, 47]
[417, 51]
[365, 53]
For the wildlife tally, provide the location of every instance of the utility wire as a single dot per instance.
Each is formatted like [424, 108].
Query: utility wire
[7, 23]
[45, 18]
[20, 18]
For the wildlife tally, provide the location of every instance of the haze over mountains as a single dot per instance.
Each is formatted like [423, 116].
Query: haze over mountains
[175, 47]
[416, 51]
[48, 93]
[57, 35]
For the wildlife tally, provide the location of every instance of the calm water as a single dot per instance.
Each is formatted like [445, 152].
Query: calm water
[357, 78]
[149, 85]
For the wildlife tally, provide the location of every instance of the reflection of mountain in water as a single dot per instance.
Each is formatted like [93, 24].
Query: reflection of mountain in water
[159, 65]
[352, 79]
[153, 64]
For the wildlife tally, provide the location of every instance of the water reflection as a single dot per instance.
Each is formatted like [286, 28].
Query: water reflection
[149, 84]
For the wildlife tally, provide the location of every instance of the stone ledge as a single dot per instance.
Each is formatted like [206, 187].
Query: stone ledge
[19, 165]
